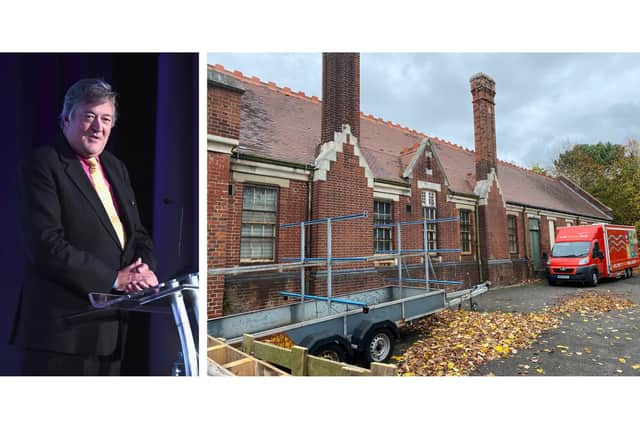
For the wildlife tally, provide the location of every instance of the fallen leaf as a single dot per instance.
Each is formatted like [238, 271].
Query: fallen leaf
[456, 342]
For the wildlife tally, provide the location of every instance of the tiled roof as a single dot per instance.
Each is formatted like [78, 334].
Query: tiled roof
[280, 124]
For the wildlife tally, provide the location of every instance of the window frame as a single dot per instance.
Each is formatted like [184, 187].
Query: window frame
[514, 235]
[387, 220]
[469, 232]
[273, 238]
[430, 211]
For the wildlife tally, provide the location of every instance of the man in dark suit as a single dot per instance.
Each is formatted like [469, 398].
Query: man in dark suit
[83, 234]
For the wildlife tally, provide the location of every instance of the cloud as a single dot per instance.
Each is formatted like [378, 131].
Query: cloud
[544, 101]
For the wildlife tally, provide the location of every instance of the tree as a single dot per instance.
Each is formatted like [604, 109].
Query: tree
[539, 169]
[610, 172]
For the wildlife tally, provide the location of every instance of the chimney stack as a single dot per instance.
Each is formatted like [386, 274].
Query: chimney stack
[483, 92]
[340, 94]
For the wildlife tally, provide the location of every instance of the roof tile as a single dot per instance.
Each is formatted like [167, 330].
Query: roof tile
[277, 125]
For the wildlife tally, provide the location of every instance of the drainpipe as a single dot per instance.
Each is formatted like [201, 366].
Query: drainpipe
[480, 275]
[309, 195]
[524, 240]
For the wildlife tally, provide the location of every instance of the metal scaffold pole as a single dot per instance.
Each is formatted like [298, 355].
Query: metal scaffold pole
[426, 252]
[399, 239]
[302, 255]
[329, 254]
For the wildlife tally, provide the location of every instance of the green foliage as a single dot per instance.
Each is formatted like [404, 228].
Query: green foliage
[539, 169]
[610, 172]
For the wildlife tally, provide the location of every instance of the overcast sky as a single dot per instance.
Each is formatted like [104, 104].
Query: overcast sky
[544, 102]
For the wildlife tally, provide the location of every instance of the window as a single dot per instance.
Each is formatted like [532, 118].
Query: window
[428, 199]
[258, 233]
[382, 236]
[513, 234]
[465, 230]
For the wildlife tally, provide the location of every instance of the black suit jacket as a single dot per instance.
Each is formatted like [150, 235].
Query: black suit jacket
[73, 250]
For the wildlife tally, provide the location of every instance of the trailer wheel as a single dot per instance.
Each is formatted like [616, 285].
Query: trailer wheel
[331, 351]
[378, 346]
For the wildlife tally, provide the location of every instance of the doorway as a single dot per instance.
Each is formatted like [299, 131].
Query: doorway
[534, 238]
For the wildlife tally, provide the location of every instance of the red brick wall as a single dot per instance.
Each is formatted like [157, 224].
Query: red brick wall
[258, 290]
[344, 192]
[292, 208]
[545, 242]
[494, 242]
[223, 112]
[217, 227]
[223, 119]
[255, 291]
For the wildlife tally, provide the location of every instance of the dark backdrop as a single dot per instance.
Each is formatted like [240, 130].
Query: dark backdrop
[156, 137]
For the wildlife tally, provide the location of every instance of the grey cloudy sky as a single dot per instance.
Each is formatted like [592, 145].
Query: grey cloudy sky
[544, 102]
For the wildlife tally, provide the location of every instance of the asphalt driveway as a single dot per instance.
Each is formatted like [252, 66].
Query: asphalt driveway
[606, 344]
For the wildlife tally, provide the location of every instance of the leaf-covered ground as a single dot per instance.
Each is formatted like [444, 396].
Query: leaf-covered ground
[458, 342]
[592, 302]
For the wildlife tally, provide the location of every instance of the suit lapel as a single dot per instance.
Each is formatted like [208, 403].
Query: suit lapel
[78, 176]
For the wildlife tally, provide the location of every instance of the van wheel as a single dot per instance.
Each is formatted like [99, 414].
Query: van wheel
[594, 278]
[379, 346]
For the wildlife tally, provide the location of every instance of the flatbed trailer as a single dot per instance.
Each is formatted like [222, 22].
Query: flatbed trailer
[361, 325]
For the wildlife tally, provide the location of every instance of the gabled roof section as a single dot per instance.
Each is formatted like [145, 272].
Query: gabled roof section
[281, 124]
[413, 154]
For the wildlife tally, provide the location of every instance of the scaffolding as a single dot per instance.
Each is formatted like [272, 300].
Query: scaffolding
[401, 253]
[303, 262]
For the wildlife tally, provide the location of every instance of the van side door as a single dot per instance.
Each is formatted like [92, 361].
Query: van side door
[597, 256]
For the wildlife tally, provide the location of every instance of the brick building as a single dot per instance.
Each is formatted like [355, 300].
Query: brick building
[276, 156]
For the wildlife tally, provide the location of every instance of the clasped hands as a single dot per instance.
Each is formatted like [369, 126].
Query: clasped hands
[136, 277]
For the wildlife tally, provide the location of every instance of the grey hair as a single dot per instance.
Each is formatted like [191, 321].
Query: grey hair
[87, 91]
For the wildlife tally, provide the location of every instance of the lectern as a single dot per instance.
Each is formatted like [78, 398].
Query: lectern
[177, 297]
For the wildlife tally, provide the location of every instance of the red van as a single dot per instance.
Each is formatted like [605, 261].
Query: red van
[588, 253]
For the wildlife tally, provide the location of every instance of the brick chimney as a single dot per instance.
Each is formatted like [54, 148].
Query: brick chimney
[342, 180]
[483, 91]
[340, 94]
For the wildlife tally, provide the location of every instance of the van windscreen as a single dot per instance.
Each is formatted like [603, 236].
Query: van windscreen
[570, 249]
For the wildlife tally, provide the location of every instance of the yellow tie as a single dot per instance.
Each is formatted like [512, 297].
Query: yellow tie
[105, 197]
